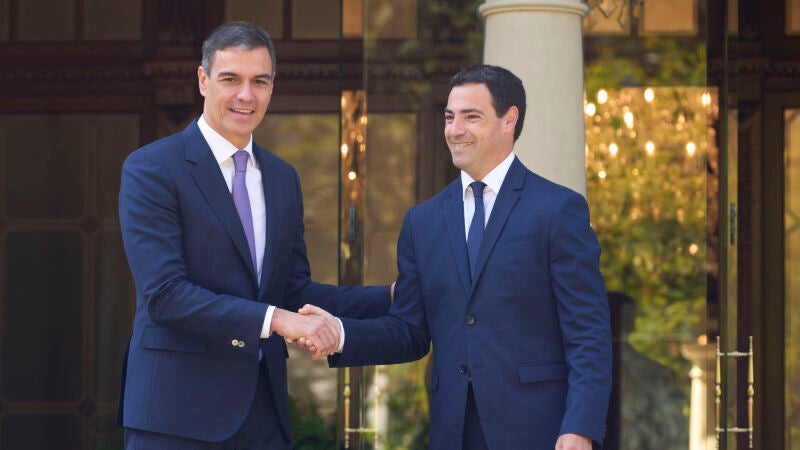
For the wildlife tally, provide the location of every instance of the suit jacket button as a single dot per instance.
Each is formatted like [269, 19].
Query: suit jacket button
[235, 342]
[470, 320]
[462, 369]
[241, 344]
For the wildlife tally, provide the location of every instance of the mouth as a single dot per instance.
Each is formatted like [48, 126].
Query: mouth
[460, 145]
[243, 110]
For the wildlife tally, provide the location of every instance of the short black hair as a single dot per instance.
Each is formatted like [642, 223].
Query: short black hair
[505, 87]
[236, 34]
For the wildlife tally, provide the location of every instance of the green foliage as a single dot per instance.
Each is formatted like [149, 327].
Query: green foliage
[647, 61]
[649, 210]
[107, 435]
[408, 406]
[309, 431]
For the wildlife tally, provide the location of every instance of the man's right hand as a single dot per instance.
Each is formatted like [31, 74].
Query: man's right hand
[320, 331]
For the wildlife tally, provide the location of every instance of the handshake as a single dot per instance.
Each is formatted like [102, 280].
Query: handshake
[311, 327]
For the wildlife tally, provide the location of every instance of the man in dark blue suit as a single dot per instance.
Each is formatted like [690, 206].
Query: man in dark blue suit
[213, 229]
[500, 271]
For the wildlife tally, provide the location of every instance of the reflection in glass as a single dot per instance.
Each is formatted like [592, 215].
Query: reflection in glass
[792, 17]
[44, 147]
[401, 415]
[792, 273]
[4, 20]
[113, 313]
[268, 14]
[46, 20]
[41, 432]
[43, 333]
[316, 25]
[646, 181]
[309, 143]
[672, 17]
[120, 20]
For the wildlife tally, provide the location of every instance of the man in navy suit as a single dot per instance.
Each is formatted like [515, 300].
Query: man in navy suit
[500, 271]
[213, 229]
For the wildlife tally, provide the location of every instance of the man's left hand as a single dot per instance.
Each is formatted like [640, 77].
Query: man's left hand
[572, 441]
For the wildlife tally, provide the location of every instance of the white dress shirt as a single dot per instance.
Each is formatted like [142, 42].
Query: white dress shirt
[493, 181]
[223, 152]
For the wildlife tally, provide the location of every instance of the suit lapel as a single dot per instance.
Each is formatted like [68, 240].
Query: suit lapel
[273, 194]
[506, 199]
[454, 219]
[205, 171]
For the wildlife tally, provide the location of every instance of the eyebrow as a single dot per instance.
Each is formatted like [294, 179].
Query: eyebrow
[463, 111]
[233, 74]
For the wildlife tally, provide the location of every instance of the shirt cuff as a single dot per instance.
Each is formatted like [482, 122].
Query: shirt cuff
[341, 336]
[267, 322]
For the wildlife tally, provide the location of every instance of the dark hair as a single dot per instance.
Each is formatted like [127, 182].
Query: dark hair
[236, 34]
[505, 87]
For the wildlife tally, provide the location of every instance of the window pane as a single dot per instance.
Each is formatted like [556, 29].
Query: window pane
[392, 19]
[4, 22]
[391, 165]
[113, 313]
[268, 14]
[322, 24]
[46, 20]
[42, 323]
[669, 17]
[110, 138]
[118, 20]
[792, 17]
[646, 184]
[41, 432]
[353, 18]
[792, 273]
[45, 159]
[310, 143]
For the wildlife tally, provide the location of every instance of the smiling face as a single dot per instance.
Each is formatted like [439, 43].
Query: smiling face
[237, 92]
[478, 139]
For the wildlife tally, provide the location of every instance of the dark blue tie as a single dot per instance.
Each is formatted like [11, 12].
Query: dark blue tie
[475, 235]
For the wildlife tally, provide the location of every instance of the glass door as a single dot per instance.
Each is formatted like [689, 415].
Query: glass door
[393, 156]
[661, 188]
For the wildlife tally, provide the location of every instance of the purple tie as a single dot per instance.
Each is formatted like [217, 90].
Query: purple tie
[242, 201]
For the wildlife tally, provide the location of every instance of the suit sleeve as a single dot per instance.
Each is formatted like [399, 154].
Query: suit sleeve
[400, 336]
[582, 306]
[152, 231]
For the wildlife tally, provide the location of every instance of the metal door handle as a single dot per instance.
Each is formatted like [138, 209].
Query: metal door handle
[346, 394]
[751, 392]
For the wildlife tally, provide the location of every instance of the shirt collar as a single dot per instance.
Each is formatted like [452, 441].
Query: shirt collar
[220, 146]
[493, 179]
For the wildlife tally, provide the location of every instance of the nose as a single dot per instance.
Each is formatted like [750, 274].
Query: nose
[245, 92]
[454, 127]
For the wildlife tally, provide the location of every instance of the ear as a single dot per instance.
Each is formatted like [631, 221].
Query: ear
[202, 79]
[510, 119]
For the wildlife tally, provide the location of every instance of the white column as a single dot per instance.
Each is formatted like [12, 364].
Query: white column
[541, 42]
[701, 435]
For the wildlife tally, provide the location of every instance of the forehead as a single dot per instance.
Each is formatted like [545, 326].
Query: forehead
[242, 60]
[469, 96]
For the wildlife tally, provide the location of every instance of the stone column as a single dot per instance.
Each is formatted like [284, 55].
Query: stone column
[541, 42]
